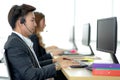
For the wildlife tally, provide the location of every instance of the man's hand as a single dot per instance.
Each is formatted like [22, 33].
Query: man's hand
[66, 64]
[61, 58]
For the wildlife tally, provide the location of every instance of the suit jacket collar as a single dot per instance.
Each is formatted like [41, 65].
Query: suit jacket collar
[30, 52]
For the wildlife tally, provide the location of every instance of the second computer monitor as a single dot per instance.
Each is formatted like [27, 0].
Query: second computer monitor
[86, 34]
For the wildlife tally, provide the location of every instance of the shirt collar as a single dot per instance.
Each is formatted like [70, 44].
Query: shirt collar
[27, 40]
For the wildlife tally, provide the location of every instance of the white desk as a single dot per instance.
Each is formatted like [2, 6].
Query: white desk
[84, 74]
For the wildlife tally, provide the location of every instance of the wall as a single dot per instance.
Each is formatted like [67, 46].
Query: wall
[61, 16]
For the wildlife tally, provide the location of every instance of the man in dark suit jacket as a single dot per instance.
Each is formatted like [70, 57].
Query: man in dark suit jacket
[22, 59]
[23, 65]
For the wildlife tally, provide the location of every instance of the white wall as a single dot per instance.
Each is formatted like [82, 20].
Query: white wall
[59, 19]
[61, 15]
[88, 11]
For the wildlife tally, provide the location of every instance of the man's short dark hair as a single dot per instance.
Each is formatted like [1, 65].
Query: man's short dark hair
[18, 11]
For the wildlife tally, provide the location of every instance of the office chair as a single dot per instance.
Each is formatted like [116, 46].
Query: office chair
[1, 60]
[8, 67]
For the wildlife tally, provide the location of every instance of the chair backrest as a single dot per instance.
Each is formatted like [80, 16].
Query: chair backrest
[8, 67]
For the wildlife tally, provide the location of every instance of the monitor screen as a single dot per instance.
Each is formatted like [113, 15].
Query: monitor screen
[86, 34]
[107, 34]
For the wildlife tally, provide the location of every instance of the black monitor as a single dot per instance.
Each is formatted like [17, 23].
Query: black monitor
[86, 36]
[107, 36]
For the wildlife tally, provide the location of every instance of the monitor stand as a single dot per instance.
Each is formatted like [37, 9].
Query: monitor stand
[74, 46]
[92, 53]
[114, 58]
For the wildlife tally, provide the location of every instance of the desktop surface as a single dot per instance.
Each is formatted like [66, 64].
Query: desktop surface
[71, 52]
[84, 74]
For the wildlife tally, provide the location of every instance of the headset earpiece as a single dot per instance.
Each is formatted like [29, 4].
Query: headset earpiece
[22, 20]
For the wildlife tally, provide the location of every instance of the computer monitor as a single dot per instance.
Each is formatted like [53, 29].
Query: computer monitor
[86, 36]
[107, 36]
[72, 39]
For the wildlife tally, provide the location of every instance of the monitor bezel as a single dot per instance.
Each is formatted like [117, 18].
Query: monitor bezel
[115, 35]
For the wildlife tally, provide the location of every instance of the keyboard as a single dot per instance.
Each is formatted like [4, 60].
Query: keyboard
[82, 65]
[89, 67]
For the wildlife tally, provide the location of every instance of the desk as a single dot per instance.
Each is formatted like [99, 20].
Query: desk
[84, 74]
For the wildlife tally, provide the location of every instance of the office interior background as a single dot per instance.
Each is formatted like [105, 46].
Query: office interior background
[61, 16]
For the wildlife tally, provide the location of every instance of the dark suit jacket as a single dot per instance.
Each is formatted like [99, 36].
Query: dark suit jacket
[22, 63]
[40, 51]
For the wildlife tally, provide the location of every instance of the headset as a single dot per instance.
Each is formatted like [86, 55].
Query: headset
[22, 21]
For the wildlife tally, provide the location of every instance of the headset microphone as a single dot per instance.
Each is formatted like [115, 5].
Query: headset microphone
[28, 29]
